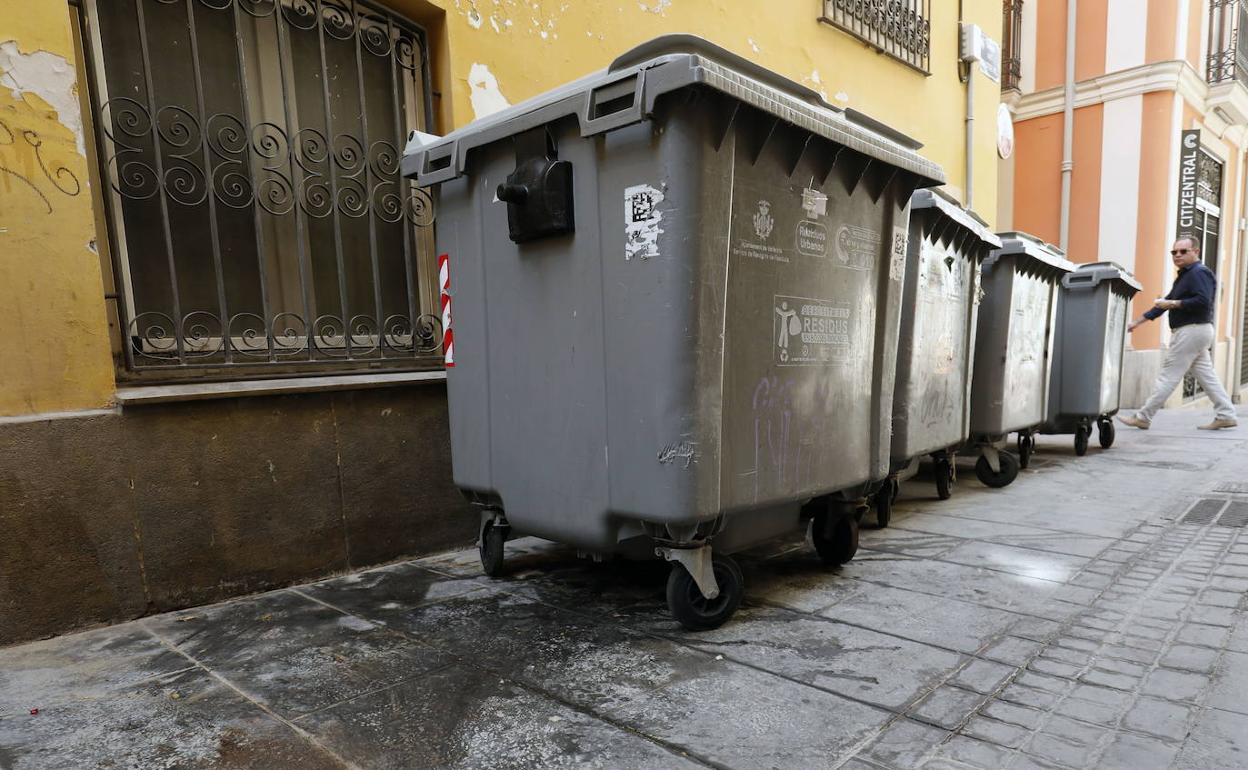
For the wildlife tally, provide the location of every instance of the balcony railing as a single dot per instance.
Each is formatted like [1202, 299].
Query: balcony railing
[1011, 48]
[899, 28]
[1228, 50]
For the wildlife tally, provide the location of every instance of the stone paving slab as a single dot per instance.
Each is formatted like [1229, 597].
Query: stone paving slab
[1089, 615]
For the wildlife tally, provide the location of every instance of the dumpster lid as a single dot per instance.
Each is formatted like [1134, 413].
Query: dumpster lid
[946, 205]
[1094, 273]
[1015, 244]
[626, 92]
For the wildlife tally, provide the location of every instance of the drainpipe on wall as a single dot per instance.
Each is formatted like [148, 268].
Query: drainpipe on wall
[1068, 123]
[970, 110]
[970, 135]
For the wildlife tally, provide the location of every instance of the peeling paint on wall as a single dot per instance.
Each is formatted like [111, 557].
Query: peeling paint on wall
[487, 99]
[659, 6]
[48, 76]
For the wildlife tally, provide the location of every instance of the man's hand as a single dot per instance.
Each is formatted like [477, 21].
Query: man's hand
[1134, 324]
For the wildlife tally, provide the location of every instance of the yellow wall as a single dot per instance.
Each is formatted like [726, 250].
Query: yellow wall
[54, 346]
[506, 36]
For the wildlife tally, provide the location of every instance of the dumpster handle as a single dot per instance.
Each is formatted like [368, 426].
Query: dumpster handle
[439, 164]
[604, 107]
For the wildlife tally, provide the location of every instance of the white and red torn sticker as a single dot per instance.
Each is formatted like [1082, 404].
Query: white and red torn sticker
[641, 221]
[444, 280]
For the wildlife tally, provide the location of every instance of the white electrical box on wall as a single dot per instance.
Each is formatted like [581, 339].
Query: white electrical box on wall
[978, 47]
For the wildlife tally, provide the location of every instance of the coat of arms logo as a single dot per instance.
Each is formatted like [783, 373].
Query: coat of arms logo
[763, 220]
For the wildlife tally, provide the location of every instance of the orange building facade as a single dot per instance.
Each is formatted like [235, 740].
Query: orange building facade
[1145, 75]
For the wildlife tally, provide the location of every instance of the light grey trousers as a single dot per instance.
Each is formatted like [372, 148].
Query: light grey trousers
[1189, 350]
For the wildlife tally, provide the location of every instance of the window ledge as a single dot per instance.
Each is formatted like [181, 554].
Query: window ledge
[202, 391]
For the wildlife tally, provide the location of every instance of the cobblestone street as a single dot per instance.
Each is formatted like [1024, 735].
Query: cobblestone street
[1089, 615]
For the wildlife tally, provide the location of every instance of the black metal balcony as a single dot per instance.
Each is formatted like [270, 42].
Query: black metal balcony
[1011, 46]
[1227, 60]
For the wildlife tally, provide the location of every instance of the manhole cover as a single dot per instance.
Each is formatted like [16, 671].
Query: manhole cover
[1236, 516]
[1233, 487]
[1204, 511]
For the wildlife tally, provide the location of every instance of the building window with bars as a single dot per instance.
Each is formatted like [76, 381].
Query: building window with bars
[248, 152]
[899, 28]
[1227, 59]
[1012, 45]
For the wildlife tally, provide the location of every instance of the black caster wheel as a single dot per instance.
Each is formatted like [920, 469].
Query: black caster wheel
[835, 539]
[883, 503]
[1081, 440]
[944, 478]
[491, 548]
[1105, 433]
[1026, 445]
[693, 610]
[1009, 471]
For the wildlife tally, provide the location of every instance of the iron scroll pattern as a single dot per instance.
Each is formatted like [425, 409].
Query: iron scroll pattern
[899, 28]
[1227, 59]
[173, 153]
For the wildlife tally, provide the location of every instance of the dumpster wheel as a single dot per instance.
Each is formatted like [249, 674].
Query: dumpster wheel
[1026, 445]
[1105, 432]
[491, 548]
[1082, 433]
[883, 502]
[997, 479]
[836, 541]
[693, 610]
[944, 470]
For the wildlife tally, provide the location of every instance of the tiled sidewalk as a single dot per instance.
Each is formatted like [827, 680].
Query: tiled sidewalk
[1090, 615]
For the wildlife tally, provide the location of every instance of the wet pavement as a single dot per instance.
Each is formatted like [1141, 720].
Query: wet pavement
[1089, 615]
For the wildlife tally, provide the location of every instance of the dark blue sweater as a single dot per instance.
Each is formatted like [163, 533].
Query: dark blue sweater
[1195, 287]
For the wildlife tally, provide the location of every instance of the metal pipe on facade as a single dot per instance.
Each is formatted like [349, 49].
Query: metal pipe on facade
[1068, 123]
[970, 135]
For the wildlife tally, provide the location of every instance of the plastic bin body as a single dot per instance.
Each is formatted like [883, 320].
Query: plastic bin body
[1090, 343]
[1014, 338]
[940, 306]
[718, 334]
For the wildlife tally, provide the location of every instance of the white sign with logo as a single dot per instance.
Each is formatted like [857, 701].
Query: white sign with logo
[810, 332]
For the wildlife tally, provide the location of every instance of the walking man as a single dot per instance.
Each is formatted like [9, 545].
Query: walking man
[1190, 304]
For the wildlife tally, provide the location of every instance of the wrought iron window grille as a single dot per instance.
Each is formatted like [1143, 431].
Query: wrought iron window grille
[1011, 49]
[248, 153]
[1227, 59]
[898, 28]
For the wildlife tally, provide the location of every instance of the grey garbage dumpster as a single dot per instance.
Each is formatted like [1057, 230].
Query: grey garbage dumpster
[674, 289]
[1091, 336]
[1013, 352]
[939, 308]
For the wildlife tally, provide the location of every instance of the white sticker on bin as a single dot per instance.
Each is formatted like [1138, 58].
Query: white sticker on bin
[641, 221]
[814, 203]
[897, 260]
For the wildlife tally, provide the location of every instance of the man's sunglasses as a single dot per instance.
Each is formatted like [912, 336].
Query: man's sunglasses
[1177, 252]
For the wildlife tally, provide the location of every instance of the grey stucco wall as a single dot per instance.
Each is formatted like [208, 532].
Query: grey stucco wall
[110, 517]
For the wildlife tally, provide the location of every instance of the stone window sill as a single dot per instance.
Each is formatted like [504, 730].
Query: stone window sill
[140, 395]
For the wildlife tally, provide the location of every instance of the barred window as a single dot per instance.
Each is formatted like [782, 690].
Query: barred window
[901, 29]
[248, 153]
[1227, 57]
[1012, 49]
